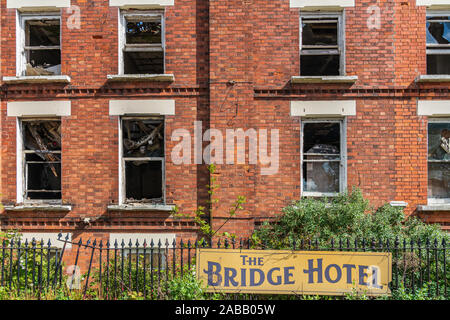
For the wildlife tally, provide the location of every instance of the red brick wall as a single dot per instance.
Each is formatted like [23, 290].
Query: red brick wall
[255, 44]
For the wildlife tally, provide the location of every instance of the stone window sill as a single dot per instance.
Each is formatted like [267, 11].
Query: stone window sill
[142, 77]
[433, 78]
[39, 207]
[142, 207]
[324, 79]
[434, 207]
[37, 79]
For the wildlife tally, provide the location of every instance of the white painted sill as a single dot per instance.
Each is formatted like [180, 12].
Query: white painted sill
[142, 207]
[142, 77]
[37, 79]
[39, 207]
[433, 78]
[434, 207]
[324, 79]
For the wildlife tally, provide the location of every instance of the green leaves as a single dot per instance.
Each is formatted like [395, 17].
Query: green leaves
[347, 216]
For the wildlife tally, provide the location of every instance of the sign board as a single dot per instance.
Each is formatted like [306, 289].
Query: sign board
[294, 272]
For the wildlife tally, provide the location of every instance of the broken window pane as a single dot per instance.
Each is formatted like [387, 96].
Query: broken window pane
[322, 138]
[321, 157]
[42, 33]
[144, 181]
[439, 180]
[321, 177]
[319, 33]
[319, 65]
[438, 44]
[143, 138]
[438, 63]
[143, 32]
[439, 160]
[42, 47]
[42, 159]
[143, 154]
[143, 62]
[320, 49]
[143, 51]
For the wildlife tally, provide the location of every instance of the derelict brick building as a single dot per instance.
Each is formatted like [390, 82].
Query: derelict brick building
[93, 91]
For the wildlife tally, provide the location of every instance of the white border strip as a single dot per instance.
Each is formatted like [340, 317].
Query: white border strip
[323, 108]
[17, 4]
[434, 108]
[321, 3]
[39, 108]
[140, 3]
[142, 107]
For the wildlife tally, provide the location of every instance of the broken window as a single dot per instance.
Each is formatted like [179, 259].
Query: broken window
[321, 50]
[42, 159]
[143, 159]
[142, 43]
[41, 45]
[438, 43]
[322, 158]
[439, 161]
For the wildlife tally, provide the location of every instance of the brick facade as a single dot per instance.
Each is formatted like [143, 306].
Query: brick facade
[232, 62]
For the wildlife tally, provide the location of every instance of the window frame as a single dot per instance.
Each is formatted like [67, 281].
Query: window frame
[22, 171]
[435, 201]
[342, 162]
[21, 19]
[123, 14]
[340, 16]
[122, 160]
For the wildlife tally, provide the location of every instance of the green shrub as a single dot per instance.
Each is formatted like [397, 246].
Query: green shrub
[346, 216]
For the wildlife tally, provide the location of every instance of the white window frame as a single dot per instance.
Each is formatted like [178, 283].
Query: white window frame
[21, 19]
[22, 176]
[123, 14]
[437, 48]
[343, 161]
[340, 16]
[122, 160]
[435, 201]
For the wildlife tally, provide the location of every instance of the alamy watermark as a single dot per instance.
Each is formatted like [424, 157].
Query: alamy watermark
[227, 147]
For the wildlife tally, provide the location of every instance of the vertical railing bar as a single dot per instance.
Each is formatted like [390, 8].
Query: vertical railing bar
[11, 262]
[100, 273]
[137, 265]
[26, 265]
[90, 265]
[151, 269]
[18, 266]
[145, 268]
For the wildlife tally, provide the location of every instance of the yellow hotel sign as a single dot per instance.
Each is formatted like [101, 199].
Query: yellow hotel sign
[299, 272]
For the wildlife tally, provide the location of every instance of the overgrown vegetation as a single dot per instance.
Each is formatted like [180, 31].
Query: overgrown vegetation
[347, 216]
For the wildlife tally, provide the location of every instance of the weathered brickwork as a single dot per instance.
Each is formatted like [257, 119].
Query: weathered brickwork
[232, 62]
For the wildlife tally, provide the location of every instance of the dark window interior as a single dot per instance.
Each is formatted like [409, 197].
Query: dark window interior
[143, 53]
[144, 62]
[319, 33]
[144, 180]
[44, 56]
[143, 32]
[319, 65]
[143, 141]
[321, 157]
[438, 38]
[320, 54]
[42, 144]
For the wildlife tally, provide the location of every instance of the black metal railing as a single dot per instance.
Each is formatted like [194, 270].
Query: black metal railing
[115, 270]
